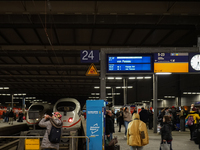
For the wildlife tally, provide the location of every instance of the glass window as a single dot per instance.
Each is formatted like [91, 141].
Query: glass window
[66, 106]
[37, 108]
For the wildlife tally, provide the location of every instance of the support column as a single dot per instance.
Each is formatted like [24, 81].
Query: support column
[12, 101]
[113, 96]
[125, 91]
[23, 104]
[103, 75]
[198, 43]
[155, 93]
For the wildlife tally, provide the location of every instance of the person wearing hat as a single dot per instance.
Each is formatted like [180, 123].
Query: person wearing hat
[48, 122]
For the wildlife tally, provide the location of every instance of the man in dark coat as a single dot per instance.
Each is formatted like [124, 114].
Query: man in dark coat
[109, 125]
[144, 116]
[121, 119]
[150, 118]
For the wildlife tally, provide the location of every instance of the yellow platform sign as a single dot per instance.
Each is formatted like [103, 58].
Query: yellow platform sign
[92, 71]
[171, 67]
[32, 144]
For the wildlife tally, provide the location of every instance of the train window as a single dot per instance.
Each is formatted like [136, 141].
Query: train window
[66, 106]
[37, 108]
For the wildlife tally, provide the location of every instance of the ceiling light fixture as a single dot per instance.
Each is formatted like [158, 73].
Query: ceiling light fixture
[108, 87]
[110, 78]
[163, 73]
[131, 78]
[147, 77]
[118, 87]
[139, 77]
[118, 78]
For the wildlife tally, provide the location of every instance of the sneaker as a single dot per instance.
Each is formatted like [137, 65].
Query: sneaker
[179, 130]
[119, 131]
[125, 136]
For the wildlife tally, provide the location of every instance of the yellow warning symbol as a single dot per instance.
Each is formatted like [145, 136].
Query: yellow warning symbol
[92, 71]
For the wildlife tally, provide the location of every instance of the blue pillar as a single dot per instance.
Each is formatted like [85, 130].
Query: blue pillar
[95, 124]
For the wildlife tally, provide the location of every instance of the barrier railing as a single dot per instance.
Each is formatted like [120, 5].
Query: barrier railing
[39, 137]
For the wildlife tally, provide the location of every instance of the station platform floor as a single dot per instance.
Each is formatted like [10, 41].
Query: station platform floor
[7, 129]
[6, 124]
[181, 140]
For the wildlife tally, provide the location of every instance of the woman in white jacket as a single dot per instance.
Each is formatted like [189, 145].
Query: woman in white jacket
[48, 122]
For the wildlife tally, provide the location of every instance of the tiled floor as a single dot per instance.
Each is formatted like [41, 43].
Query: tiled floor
[180, 140]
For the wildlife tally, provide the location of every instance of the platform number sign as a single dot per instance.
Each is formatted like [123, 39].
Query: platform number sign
[90, 56]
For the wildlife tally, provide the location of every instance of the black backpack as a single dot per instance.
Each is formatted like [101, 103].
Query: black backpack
[55, 135]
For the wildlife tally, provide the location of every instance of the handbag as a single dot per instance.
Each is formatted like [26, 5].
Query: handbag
[165, 146]
[113, 142]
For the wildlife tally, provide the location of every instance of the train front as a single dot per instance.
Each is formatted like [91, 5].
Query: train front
[69, 108]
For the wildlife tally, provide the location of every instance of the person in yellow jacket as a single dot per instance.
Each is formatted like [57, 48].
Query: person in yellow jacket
[137, 135]
[192, 126]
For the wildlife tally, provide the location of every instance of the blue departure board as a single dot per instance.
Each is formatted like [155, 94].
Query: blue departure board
[129, 63]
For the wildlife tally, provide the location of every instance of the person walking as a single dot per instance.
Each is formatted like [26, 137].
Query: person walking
[11, 116]
[48, 122]
[150, 112]
[192, 122]
[127, 118]
[144, 115]
[166, 131]
[109, 125]
[121, 119]
[182, 119]
[135, 110]
[137, 135]
[117, 117]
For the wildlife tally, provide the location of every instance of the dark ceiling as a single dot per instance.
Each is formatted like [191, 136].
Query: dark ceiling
[40, 41]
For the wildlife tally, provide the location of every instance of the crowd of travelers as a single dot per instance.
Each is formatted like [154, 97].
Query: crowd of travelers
[169, 119]
[132, 123]
[10, 116]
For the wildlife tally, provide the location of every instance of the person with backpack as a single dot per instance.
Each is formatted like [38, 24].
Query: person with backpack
[192, 121]
[52, 135]
[166, 131]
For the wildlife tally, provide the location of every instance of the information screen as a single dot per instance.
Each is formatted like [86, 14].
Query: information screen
[129, 63]
[171, 62]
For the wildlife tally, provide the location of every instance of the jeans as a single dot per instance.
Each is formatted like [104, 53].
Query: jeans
[126, 126]
[136, 147]
[168, 143]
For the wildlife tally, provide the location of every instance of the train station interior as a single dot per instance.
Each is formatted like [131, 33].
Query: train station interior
[48, 48]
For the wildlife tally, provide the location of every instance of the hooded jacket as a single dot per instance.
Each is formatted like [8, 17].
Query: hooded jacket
[48, 124]
[135, 128]
[166, 131]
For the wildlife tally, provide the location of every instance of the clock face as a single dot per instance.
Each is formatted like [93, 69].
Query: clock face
[195, 62]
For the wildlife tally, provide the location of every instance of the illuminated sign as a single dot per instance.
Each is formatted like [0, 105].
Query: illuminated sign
[171, 62]
[129, 63]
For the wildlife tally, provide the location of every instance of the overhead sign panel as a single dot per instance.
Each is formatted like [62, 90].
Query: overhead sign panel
[89, 56]
[171, 62]
[129, 63]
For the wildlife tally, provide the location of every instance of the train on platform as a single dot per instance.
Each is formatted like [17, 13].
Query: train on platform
[43, 109]
[70, 110]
